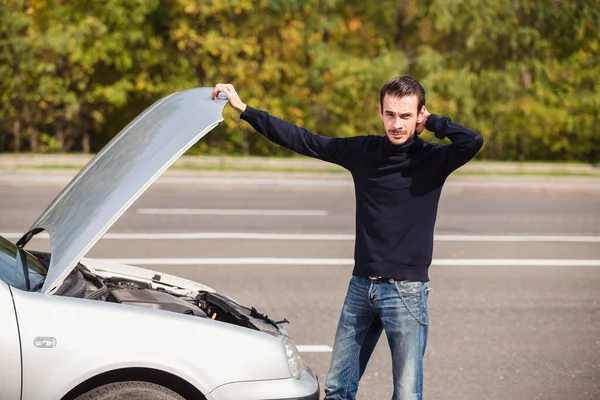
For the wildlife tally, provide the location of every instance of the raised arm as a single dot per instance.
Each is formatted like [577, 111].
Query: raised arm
[465, 142]
[288, 135]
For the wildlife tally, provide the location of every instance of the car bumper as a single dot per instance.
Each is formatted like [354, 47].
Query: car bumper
[305, 388]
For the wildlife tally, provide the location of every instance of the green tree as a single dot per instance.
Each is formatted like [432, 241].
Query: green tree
[522, 72]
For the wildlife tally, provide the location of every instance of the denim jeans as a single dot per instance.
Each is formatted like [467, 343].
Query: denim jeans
[371, 306]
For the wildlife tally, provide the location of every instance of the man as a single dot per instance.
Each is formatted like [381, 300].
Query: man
[398, 180]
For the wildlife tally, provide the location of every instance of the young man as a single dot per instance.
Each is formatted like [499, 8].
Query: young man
[398, 180]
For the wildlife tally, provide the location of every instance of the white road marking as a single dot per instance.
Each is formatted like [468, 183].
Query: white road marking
[507, 262]
[516, 238]
[231, 261]
[205, 236]
[246, 181]
[317, 348]
[236, 212]
[447, 262]
[320, 237]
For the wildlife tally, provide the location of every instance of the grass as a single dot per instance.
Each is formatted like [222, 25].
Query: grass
[49, 166]
[253, 168]
[527, 173]
[266, 168]
[224, 166]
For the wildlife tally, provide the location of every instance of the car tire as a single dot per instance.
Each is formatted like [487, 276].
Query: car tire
[131, 390]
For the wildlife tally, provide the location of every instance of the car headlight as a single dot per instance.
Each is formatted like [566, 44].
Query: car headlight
[293, 357]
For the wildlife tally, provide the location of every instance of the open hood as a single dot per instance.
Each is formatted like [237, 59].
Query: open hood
[105, 188]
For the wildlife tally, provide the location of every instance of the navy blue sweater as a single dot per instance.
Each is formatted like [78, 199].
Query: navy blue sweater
[397, 187]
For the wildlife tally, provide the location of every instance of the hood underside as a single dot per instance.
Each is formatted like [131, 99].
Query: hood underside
[105, 188]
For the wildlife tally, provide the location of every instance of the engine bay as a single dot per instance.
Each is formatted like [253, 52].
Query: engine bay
[81, 283]
[154, 299]
[204, 304]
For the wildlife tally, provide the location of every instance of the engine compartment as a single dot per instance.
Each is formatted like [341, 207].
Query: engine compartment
[204, 304]
[153, 299]
[81, 283]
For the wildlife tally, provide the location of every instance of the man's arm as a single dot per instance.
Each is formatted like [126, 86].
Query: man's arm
[465, 142]
[300, 140]
[288, 135]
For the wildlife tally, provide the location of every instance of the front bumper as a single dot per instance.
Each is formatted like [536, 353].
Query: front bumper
[305, 388]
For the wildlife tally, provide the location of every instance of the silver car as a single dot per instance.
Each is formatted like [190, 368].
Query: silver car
[78, 328]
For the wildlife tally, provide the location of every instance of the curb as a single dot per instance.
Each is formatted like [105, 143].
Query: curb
[49, 162]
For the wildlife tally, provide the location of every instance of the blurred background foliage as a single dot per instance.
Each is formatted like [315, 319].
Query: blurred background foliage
[525, 73]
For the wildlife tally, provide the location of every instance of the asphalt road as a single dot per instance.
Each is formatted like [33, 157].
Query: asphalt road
[516, 331]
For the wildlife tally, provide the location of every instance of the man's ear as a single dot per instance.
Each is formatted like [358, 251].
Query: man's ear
[421, 115]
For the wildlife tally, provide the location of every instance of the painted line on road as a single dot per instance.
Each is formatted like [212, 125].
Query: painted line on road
[523, 262]
[447, 262]
[236, 212]
[221, 181]
[516, 238]
[320, 237]
[205, 236]
[231, 261]
[317, 348]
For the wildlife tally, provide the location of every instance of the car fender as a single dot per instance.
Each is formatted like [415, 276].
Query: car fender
[10, 348]
[84, 338]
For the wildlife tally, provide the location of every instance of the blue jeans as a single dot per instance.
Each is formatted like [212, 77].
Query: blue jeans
[372, 306]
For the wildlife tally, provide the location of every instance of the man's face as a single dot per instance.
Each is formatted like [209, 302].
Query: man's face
[400, 117]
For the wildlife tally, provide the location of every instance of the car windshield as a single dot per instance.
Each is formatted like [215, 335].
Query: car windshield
[23, 274]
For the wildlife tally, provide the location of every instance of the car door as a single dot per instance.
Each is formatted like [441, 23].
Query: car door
[10, 347]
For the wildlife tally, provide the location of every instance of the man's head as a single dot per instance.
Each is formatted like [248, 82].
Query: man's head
[401, 102]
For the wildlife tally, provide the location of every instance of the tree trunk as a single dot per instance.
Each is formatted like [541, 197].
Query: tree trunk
[58, 127]
[69, 139]
[17, 135]
[594, 154]
[60, 133]
[3, 142]
[60, 137]
[526, 79]
[34, 140]
[32, 133]
[400, 25]
[521, 146]
[85, 143]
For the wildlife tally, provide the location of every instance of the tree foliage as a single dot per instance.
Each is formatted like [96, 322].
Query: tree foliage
[522, 72]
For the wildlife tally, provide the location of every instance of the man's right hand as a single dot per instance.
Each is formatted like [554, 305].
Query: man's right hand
[232, 96]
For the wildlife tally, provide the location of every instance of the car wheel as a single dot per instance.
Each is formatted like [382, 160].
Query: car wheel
[131, 390]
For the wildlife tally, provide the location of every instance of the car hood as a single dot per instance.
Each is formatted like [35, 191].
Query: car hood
[105, 188]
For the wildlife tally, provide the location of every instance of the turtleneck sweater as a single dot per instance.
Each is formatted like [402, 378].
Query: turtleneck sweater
[397, 187]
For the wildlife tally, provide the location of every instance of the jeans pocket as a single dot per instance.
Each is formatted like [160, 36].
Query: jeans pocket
[410, 287]
[414, 297]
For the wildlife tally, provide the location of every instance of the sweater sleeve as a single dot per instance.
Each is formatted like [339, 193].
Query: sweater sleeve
[466, 143]
[300, 140]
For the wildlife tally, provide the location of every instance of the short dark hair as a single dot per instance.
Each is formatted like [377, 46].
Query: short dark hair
[402, 86]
